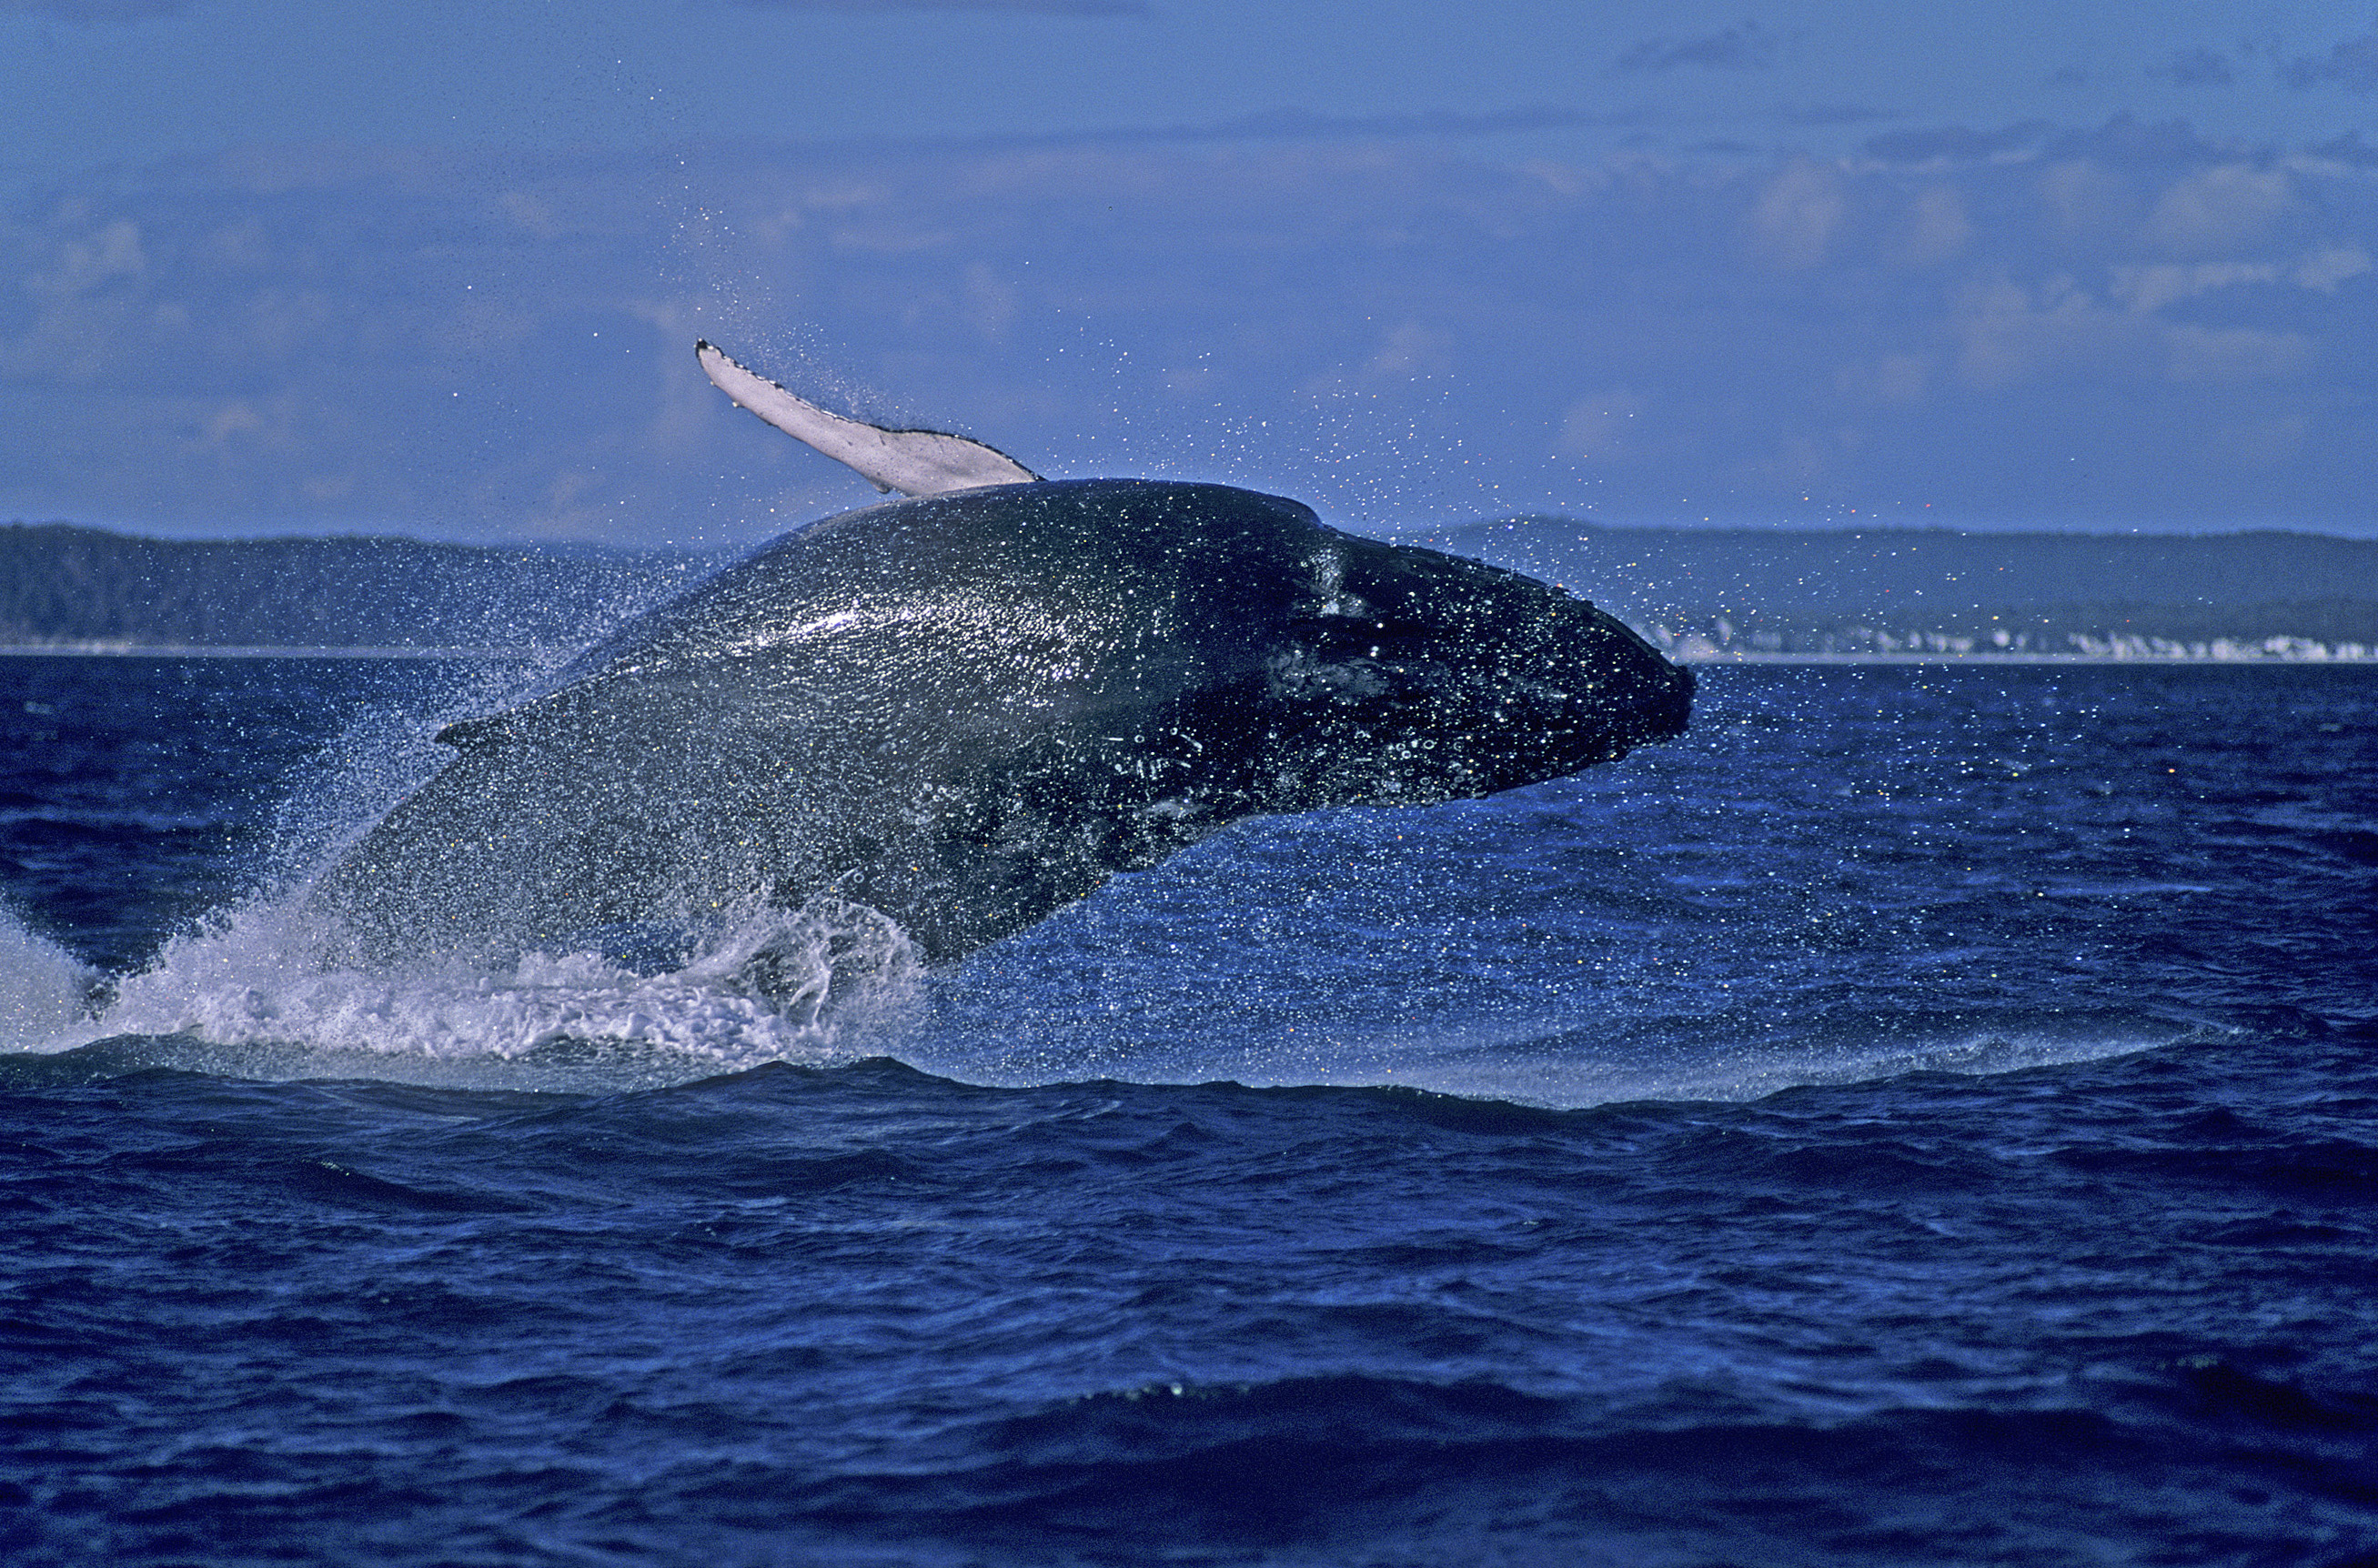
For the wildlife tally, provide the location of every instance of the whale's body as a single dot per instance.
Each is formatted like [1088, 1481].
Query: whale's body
[967, 710]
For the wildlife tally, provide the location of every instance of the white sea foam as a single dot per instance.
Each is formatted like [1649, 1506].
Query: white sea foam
[811, 986]
[43, 991]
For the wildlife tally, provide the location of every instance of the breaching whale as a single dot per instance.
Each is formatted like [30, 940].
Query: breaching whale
[967, 709]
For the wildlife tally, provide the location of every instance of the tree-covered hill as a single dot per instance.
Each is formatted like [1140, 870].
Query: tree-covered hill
[65, 585]
[1804, 589]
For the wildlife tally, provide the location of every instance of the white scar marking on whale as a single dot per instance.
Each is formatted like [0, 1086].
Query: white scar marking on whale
[1019, 625]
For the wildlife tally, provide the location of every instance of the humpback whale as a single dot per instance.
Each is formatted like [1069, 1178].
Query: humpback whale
[970, 707]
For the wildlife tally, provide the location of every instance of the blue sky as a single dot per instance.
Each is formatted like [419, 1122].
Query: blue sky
[437, 269]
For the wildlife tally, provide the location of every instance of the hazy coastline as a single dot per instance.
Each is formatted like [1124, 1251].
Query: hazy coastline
[1702, 595]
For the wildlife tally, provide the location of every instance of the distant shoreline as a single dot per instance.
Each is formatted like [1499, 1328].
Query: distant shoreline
[2266, 660]
[1725, 656]
[184, 651]
[1699, 596]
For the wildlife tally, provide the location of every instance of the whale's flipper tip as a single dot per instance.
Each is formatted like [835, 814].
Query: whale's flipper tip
[915, 463]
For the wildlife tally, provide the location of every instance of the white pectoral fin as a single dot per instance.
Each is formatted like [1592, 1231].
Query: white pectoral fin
[915, 463]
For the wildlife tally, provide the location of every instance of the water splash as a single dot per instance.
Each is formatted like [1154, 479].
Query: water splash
[255, 994]
[45, 993]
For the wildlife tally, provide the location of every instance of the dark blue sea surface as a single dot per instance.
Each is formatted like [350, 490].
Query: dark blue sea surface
[1925, 1115]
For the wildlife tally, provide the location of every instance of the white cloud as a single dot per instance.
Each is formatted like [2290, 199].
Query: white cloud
[1796, 214]
[89, 296]
[2011, 333]
[1600, 428]
[2325, 269]
[89, 261]
[2220, 208]
[241, 429]
[1937, 227]
[324, 337]
[2153, 287]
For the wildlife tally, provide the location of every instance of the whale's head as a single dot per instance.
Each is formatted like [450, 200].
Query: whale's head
[1405, 676]
[1237, 657]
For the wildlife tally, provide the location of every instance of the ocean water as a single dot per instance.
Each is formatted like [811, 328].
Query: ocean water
[1925, 1115]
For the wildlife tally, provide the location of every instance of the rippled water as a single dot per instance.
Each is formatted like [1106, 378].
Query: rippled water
[1925, 1115]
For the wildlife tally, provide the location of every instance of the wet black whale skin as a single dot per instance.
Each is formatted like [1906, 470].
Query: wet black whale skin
[966, 711]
